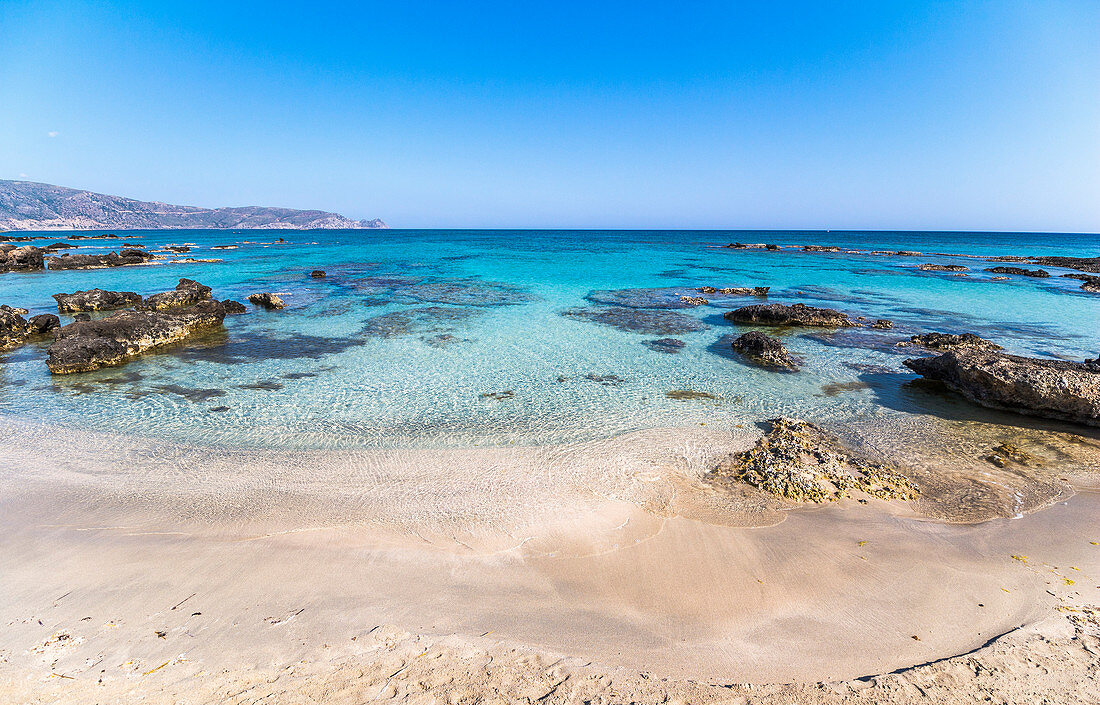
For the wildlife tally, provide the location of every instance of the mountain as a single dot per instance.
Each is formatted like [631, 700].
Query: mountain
[27, 205]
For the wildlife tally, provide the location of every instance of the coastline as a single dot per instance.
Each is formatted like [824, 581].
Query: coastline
[624, 569]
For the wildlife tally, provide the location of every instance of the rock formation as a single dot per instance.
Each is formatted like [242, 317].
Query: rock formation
[95, 300]
[111, 259]
[1020, 271]
[794, 315]
[89, 345]
[267, 300]
[27, 258]
[799, 461]
[1056, 389]
[950, 341]
[187, 293]
[765, 351]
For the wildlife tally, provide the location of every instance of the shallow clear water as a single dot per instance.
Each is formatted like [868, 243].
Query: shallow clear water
[427, 338]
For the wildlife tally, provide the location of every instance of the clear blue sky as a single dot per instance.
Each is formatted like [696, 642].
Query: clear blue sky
[939, 115]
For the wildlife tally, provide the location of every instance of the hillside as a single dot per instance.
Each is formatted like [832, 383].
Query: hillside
[27, 205]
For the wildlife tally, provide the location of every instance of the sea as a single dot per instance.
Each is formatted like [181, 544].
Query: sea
[456, 338]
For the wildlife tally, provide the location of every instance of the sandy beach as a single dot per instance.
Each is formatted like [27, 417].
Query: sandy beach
[141, 570]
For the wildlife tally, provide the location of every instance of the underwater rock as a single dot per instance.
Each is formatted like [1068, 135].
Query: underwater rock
[317, 274]
[188, 293]
[89, 345]
[1057, 389]
[635, 320]
[793, 315]
[460, 293]
[267, 300]
[689, 395]
[1007, 452]
[233, 307]
[950, 341]
[799, 461]
[1020, 271]
[27, 258]
[498, 396]
[765, 351]
[95, 300]
[942, 268]
[111, 259]
[665, 345]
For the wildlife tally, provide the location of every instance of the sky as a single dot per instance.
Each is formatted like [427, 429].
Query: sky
[755, 115]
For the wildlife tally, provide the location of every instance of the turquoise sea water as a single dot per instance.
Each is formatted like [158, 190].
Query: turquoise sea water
[427, 338]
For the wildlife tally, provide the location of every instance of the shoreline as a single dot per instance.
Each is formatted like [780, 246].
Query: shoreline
[613, 555]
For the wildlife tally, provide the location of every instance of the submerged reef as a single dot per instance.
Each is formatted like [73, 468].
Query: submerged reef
[799, 461]
[638, 320]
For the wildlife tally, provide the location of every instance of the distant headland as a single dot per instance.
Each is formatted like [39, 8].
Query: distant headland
[27, 205]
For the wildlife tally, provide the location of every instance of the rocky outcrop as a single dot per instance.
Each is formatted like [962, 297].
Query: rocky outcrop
[267, 300]
[694, 300]
[317, 274]
[89, 345]
[942, 268]
[111, 259]
[42, 324]
[736, 290]
[27, 258]
[15, 330]
[1056, 389]
[765, 351]
[187, 293]
[1020, 271]
[794, 315]
[1084, 264]
[950, 341]
[95, 300]
[233, 307]
[799, 461]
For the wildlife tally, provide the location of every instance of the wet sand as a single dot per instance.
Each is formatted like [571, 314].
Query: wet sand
[611, 573]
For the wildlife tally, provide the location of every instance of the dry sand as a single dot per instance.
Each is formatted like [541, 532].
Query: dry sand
[604, 572]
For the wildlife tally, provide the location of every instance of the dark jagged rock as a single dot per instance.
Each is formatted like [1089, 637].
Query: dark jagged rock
[794, 315]
[269, 301]
[27, 258]
[1056, 389]
[1084, 264]
[771, 247]
[799, 461]
[111, 259]
[177, 248]
[765, 351]
[89, 345]
[1020, 271]
[233, 307]
[882, 324]
[950, 341]
[820, 248]
[317, 273]
[187, 293]
[42, 324]
[12, 309]
[942, 268]
[82, 317]
[13, 328]
[665, 345]
[1089, 282]
[736, 290]
[95, 300]
[54, 246]
[694, 300]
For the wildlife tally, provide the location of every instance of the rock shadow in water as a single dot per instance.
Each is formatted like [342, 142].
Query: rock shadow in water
[632, 320]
